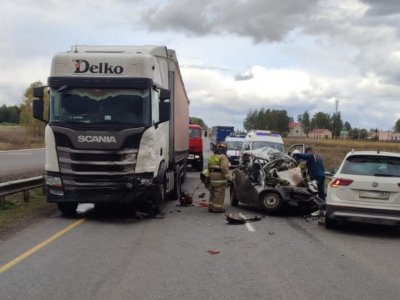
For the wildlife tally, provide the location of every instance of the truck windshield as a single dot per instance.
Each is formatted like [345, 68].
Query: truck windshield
[260, 144]
[129, 107]
[194, 132]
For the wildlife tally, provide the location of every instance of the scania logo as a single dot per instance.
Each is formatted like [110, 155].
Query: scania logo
[96, 139]
[83, 66]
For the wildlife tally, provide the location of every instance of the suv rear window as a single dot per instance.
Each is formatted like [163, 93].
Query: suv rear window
[372, 165]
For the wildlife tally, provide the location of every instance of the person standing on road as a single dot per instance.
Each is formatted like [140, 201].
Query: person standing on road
[315, 167]
[218, 167]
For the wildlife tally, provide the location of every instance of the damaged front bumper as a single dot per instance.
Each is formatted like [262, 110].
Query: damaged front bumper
[95, 189]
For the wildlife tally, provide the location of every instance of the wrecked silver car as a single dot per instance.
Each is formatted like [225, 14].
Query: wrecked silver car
[271, 180]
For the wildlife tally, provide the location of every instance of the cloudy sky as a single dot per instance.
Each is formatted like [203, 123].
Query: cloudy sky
[235, 55]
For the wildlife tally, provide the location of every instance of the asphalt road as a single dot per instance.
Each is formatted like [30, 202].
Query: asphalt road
[114, 255]
[21, 164]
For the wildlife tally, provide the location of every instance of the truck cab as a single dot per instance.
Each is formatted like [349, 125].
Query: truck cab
[117, 126]
[195, 158]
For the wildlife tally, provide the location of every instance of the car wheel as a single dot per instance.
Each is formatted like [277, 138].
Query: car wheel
[67, 208]
[330, 223]
[232, 196]
[271, 202]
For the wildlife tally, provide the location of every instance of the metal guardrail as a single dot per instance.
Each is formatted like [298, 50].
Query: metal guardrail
[20, 185]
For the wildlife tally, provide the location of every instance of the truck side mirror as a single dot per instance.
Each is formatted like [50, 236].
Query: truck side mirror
[164, 94]
[164, 110]
[205, 133]
[37, 109]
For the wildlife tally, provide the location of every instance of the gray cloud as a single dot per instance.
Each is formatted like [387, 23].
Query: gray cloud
[383, 7]
[246, 75]
[259, 19]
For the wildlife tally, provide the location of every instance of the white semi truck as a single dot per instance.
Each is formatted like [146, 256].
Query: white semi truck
[116, 126]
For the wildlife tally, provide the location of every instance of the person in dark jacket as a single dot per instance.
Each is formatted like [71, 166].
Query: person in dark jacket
[315, 167]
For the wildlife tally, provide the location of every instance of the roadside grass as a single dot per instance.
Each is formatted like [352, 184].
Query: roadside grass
[13, 208]
[15, 137]
[334, 151]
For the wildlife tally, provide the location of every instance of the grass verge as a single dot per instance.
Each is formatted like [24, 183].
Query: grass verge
[14, 209]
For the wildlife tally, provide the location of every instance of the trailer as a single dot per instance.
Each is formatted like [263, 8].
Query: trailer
[117, 126]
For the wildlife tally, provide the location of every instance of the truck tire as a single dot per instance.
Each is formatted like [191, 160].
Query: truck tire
[176, 193]
[271, 202]
[199, 164]
[232, 196]
[158, 198]
[67, 208]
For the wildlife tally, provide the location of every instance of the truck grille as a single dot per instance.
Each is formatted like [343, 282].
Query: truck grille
[97, 162]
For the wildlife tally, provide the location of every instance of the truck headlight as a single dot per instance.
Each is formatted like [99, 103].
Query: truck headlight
[54, 181]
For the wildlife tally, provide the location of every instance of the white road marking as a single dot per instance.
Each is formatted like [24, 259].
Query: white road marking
[248, 225]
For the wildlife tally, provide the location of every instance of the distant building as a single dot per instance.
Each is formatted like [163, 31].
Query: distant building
[320, 133]
[296, 130]
[396, 137]
[385, 135]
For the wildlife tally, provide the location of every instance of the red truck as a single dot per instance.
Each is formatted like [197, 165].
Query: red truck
[195, 147]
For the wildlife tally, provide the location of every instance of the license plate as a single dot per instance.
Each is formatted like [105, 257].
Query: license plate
[374, 195]
[191, 156]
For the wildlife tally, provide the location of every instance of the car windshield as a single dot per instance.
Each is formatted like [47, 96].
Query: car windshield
[194, 132]
[234, 145]
[261, 144]
[372, 165]
[101, 106]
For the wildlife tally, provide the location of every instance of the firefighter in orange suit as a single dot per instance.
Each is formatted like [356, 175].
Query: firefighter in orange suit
[218, 167]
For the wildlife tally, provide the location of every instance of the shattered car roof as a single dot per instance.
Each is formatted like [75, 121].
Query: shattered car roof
[267, 153]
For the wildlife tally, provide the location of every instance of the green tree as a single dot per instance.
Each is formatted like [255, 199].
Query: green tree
[336, 124]
[33, 126]
[347, 126]
[9, 114]
[275, 120]
[397, 126]
[198, 121]
[321, 120]
[304, 119]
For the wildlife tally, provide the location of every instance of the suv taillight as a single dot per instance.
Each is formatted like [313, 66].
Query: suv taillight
[336, 182]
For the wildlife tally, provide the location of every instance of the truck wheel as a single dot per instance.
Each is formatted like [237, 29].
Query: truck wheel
[184, 172]
[158, 198]
[271, 202]
[199, 164]
[176, 193]
[67, 208]
[232, 196]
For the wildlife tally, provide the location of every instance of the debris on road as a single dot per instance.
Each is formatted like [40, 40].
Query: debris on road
[213, 252]
[235, 218]
[185, 200]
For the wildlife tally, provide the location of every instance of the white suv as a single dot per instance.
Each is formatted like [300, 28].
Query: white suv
[366, 188]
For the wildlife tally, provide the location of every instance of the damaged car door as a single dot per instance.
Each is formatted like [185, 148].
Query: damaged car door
[245, 182]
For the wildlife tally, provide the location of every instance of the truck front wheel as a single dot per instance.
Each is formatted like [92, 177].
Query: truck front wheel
[158, 197]
[199, 164]
[67, 208]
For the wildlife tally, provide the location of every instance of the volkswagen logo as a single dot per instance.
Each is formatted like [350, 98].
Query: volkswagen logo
[374, 184]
